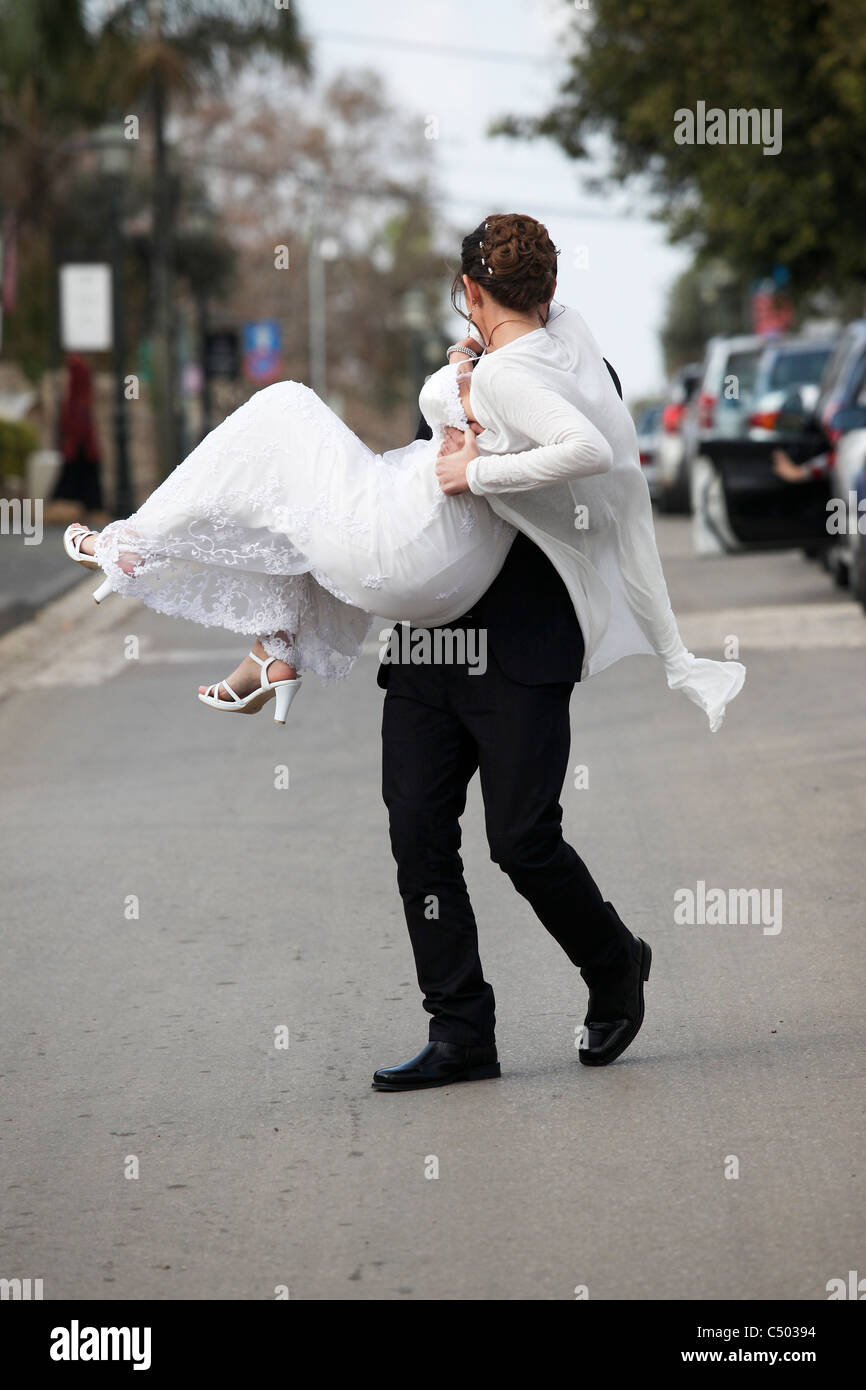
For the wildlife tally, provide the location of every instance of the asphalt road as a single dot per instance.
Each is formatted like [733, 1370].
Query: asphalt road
[168, 907]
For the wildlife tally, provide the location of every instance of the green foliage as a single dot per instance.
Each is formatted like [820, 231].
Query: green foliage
[198, 41]
[702, 303]
[635, 64]
[28, 333]
[17, 441]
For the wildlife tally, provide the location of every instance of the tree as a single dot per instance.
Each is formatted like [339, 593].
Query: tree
[635, 64]
[343, 166]
[46, 101]
[701, 303]
[167, 51]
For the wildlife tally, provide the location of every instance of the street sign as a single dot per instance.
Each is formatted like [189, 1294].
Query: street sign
[222, 354]
[85, 308]
[262, 344]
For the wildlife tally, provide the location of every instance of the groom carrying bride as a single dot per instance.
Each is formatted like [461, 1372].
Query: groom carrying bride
[527, 515]
[442, 723]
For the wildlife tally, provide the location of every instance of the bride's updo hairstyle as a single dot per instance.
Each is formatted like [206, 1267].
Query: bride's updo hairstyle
[512, 258]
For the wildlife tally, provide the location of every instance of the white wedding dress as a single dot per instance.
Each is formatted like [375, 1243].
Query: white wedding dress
[282, 520]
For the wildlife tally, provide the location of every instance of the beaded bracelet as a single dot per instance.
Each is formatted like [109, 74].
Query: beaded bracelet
[458, 347]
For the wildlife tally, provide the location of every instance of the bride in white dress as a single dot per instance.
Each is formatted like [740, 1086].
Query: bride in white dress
[282, 524]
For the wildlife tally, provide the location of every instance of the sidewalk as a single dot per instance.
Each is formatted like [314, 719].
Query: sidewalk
[33, 575]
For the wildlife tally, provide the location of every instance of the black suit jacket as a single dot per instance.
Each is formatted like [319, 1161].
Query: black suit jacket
[532, 628]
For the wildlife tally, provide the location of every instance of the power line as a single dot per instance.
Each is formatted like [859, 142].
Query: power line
[490, 55]
[384, 192]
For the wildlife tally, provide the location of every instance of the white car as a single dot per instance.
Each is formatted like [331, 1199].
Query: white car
[671, 489]
[786, 365]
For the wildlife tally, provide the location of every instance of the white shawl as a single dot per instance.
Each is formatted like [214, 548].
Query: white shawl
[595, 521]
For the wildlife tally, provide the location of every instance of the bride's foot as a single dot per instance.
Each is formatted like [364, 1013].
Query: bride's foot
[88, 539]
[247, 677]
[80, 542]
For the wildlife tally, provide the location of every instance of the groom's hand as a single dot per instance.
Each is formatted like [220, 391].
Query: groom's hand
[451, 467]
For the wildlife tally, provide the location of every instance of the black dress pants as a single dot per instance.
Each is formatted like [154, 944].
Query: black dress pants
[440, 724]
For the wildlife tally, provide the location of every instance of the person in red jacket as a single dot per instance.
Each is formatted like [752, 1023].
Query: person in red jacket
[79, 479]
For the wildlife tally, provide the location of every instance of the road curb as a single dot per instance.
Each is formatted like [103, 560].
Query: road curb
[67, 637]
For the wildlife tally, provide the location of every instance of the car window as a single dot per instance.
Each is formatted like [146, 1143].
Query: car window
[715, 370]
[797, 368]
[845, 349]
[649, 420]
[743, 366]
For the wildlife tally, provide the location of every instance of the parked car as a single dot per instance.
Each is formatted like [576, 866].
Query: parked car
[740, 504]
[841, 411]
[648, 425]
[848, 456]
[720, 408]
[672, 484]
[857, 573]
[727, 386]
[844, 375]
[786, 365]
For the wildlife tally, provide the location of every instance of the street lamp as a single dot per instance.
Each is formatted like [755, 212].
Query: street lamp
[113, 151]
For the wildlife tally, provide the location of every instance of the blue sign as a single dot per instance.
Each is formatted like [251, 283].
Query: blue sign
[262, 352]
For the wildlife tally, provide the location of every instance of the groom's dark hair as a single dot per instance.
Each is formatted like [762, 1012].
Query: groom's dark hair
[513, 257]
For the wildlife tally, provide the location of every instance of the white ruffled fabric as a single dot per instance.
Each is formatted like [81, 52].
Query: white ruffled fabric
[282, 524]
[711, 685]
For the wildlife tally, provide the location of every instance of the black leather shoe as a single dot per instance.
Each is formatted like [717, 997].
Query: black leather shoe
[615, 1011]
[438, 1064]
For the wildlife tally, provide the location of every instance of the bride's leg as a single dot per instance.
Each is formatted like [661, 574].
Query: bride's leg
[247, 676]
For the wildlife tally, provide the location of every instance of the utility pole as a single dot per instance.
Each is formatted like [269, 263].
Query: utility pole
[317, 318]
[164, 360]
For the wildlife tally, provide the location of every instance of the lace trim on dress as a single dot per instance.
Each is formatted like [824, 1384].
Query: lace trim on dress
[440, 401]
[454, 413]
[208, 584]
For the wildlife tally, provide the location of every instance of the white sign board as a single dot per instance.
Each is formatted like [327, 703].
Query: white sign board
[85, 308]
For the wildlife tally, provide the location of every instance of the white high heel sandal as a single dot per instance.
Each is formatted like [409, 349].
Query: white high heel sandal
[103, 591]
[283, 692]
[72, 539]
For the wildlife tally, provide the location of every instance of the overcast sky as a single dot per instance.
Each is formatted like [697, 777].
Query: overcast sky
[432, 60]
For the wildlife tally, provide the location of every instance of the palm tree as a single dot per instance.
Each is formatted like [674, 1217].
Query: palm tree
[167, 50]
[46, 101]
